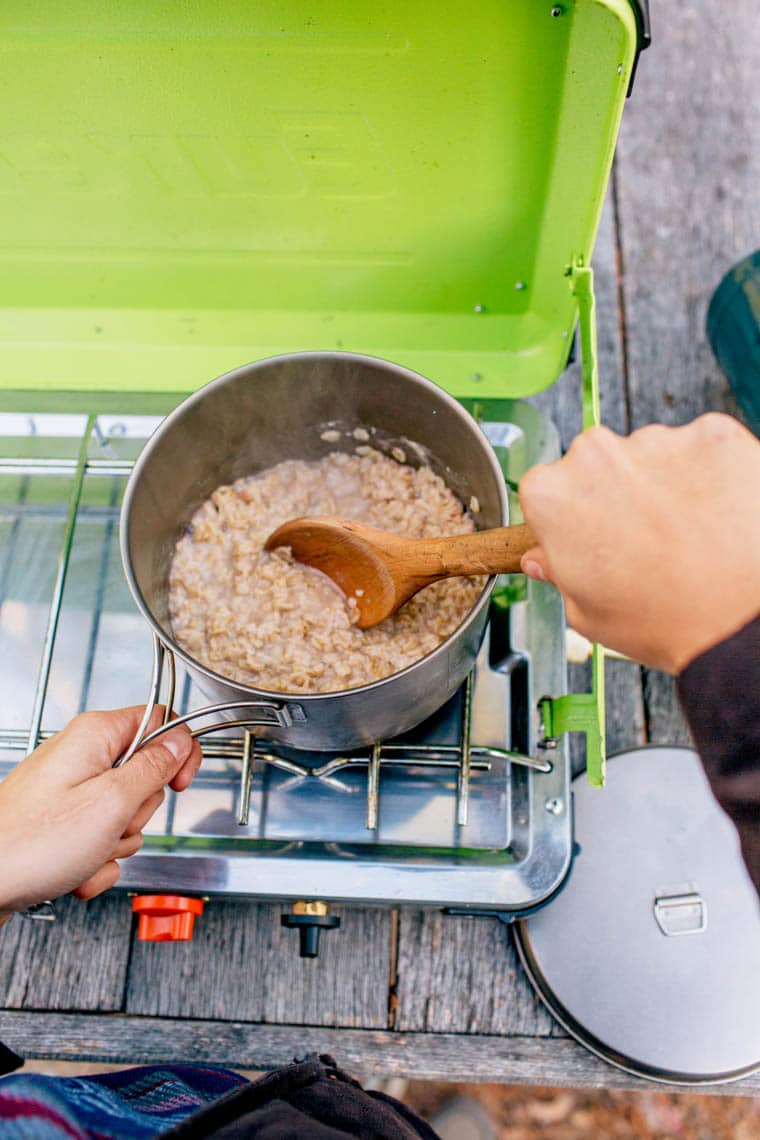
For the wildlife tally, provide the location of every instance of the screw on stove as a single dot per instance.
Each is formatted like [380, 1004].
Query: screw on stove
[545, 743]
[40, 912]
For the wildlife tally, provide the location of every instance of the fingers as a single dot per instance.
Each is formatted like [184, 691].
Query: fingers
[538, 489]
[127, 846]
[534, 564]
[179, 783]
[185, 776]
[108, 875]
[103, 879]
[93, 741]
[144, 813]
[562, 502]
[153, 767]
[576, 619]
[589, 458]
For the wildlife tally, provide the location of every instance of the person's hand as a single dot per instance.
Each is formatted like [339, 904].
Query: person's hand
[66, 815]
[653, 540]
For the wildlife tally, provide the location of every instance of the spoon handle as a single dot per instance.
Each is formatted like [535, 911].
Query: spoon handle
[496, 551]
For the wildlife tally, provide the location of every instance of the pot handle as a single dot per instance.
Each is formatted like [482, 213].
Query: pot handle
[258, 713]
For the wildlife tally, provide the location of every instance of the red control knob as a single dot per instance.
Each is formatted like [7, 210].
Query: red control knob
[165, 918]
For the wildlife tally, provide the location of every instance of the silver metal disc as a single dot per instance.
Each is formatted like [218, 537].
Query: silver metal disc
[650, 955]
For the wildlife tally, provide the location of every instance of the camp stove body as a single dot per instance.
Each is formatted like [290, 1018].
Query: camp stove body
[468, 810]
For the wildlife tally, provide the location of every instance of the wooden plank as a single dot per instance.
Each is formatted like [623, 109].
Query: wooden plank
[688, 167]
[562, 401]
[239, 1045]
[462, 975]
[613, 397]
[242, 964]
[665, 721]
[77, 962]
[624, 706]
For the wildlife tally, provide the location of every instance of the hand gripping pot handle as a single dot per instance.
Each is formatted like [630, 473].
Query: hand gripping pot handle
[256, 713]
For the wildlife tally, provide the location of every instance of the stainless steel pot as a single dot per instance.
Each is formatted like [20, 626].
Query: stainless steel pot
[282, 408]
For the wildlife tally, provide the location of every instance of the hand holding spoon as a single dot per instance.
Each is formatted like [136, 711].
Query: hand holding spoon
[381, 571]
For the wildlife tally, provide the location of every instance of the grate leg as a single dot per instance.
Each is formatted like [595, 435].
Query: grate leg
[373, 787]
[465, 762]
[43, 677]
[246, 780]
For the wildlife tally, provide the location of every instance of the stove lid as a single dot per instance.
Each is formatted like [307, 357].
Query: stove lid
[649, 955]
[187, 188]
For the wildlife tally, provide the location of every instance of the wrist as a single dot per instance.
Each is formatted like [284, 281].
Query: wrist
[711, 632]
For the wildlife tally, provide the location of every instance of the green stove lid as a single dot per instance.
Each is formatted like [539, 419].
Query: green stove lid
[188, 187]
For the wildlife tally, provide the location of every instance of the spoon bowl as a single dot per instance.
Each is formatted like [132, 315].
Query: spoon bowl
[380, 571]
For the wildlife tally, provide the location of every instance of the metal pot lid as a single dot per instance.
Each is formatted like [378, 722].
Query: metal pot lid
[649, 956]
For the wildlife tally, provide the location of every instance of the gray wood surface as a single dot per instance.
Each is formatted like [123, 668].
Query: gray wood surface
[365, 1052]
[688, 169]
[77, 962]
[462, 975]
[241, 964]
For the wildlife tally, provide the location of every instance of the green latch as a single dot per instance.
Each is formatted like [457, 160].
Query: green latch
[581, 712]
[582, 285]
[510, 590]
[584, 712]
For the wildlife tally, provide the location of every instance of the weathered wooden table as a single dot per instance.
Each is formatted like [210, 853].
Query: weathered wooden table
[415, 992]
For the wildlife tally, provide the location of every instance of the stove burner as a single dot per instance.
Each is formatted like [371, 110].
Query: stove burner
[464, 757]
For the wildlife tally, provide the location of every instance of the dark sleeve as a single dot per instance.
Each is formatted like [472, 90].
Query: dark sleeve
[8, 1060]
[311, 1097]
[720, 695]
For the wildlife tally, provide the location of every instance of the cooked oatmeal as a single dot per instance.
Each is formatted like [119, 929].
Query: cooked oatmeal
[263, 619]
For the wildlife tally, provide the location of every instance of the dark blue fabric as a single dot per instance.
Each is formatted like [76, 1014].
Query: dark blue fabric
[133, 1104]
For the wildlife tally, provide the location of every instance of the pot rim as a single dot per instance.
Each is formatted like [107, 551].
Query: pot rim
[197, 397]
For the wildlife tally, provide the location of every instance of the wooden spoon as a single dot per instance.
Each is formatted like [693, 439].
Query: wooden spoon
[381, 571]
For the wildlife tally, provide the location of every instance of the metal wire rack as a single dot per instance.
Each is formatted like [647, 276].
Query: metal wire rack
[248, 750]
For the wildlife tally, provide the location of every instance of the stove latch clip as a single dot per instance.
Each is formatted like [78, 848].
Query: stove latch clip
[578, 712]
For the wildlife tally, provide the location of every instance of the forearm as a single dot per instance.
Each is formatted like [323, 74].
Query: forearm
[720, 695]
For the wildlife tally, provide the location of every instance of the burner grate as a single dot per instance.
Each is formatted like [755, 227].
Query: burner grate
[465, 757]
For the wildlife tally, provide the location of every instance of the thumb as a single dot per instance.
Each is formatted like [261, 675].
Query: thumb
[153, 767]
[534, 564]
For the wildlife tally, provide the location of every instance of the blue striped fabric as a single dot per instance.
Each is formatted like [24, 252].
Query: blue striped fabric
[133, 1104]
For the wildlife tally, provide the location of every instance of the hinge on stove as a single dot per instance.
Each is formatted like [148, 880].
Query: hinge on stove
[583, 712]
[580, 712]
